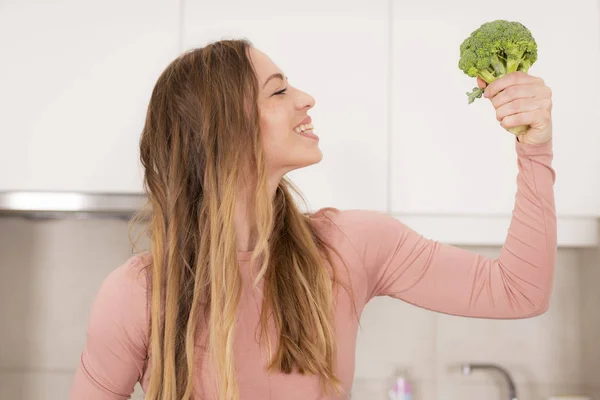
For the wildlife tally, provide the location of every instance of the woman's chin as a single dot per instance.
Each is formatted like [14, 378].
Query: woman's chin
[311, 157]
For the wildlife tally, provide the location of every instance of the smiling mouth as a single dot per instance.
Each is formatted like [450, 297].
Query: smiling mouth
[304, 128]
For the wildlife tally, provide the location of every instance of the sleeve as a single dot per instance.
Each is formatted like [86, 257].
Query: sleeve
[114, 355]
[403, 264]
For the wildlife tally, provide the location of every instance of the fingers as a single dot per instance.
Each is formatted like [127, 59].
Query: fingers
[514, 78]
[520, 106]
[513, 93]
[533, 118]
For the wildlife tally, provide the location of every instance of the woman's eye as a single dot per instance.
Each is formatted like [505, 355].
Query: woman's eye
[280, 92]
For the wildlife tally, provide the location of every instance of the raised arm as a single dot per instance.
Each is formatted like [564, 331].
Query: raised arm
[401, 263]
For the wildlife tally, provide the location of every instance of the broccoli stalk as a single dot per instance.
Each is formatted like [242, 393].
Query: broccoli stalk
[495, 49]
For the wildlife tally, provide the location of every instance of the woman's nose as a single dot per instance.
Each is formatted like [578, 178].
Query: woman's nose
[305, 100]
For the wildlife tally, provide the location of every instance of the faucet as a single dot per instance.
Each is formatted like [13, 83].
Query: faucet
[512, 391]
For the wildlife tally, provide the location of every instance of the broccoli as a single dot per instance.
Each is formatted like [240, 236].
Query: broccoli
[495, 49]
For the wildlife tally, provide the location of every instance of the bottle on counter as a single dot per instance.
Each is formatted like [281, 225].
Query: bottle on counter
[402, 389]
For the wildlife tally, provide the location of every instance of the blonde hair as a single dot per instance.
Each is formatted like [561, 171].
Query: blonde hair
[201, 130]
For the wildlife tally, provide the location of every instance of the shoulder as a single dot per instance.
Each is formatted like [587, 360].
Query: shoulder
[372, 236]
[366, 239]
[367, 234]
[357, 224]
[129, 280]
[122, 300]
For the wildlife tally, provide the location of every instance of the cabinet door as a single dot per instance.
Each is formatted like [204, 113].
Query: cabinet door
[337, 51]
[76, 78]
[449, 157]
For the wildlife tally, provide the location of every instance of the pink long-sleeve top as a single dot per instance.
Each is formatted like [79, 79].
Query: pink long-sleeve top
[384, 257]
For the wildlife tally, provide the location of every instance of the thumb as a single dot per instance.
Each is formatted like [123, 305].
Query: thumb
[481, 83]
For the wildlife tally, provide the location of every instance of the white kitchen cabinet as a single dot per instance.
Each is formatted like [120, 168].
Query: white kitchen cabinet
[337, 51]
[76, 78]
[454, 159]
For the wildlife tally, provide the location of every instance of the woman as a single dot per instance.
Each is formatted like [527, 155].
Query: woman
[242, 295]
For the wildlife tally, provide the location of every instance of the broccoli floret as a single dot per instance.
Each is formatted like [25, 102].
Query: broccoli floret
[495, 49]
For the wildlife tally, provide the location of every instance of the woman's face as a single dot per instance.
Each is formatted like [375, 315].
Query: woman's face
[283, 111]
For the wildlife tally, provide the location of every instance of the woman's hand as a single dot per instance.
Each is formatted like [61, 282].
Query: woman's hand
[522, 100]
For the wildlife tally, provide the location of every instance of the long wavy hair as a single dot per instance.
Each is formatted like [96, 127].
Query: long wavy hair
[202, 130]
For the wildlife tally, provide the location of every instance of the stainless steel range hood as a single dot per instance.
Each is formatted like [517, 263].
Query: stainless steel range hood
[70, 204]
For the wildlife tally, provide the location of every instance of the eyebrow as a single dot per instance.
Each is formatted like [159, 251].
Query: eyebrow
[277, 75]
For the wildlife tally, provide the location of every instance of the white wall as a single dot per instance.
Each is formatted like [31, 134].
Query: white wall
[50, 271]
[590, 318]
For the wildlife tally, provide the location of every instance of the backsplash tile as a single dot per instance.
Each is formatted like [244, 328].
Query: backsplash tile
[395, 336]
[590, 317]
[49, 292]
[496, 389]
[17, 244]
[35, 385]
